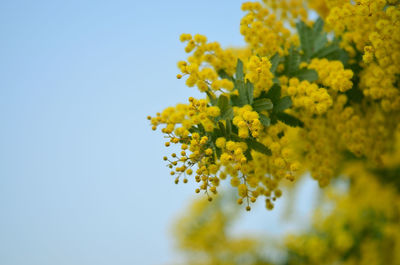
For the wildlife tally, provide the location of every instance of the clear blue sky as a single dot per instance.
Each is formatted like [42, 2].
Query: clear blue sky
[82, 179]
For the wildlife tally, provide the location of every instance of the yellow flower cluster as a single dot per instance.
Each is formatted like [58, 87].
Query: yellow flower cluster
[221, 85]
[319, 143]
[373, 28]
[260, 176]
[269, 171]
[289, 10]
[195, 113]
[378, 84]
[206, 59]
[310, 97]
[247, 120]
[332, 74]
[232, 153]
[263, 32]
[258, 73]
[320, 6]
[364, 131]
[371, 134]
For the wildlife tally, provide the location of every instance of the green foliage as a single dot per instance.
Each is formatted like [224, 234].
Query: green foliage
[212, 98]
[262, 104]
[275, 60]
[307, 74]
[265, 120]
[283, 103]
[289, 119]
[245, 89]
[292, 62]
[314, 43]
[257, 146]
[225, 107]
[239, 71]
[274, 93]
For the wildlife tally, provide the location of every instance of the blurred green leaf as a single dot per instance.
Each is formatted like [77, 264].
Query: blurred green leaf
[228, 127]
[249, 92]
[307, 74]
[257, 146]
[222, 128]
[274, 93]
[292, 62]
[265, 120]
[289, 119]
[239, 70]
[224, 75]
[283, 103]
[262, 104]
[306, 35]
[225, 108]
[212, 98]
[275, 59]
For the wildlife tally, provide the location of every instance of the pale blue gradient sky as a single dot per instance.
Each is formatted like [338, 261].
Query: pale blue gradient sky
[82, 179]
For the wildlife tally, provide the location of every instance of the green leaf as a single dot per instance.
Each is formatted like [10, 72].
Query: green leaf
[339, 55]
[239, 70]
[215, 134]
[201, 129]
[292, 62]
[320, 38]
[224, 75]
[223, 102]
[306, 39]
[245, 89]
[318, 26]
[326, 51]
[283, 103]
[218, 152]
[259, 147]
[265, 120]
[274, 62]
[222, 128]
[245, 92]
[333, 52]
[225, 108]
[240, 86]
[313, 40]
[289, 119]
[249, 92]
[262, 104]
[273, 118]
[319, 43]
[307, 74]
[248, 155]
[228, 127]
[212, 98]
[236, 138]
[228, 114]
[274, 93]
[235, 100]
